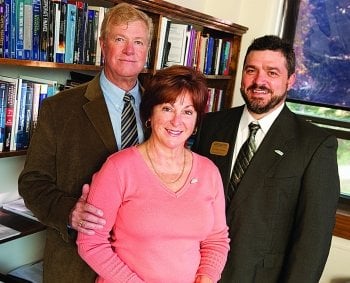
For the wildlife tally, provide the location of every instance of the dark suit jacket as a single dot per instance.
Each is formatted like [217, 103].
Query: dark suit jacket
[73, 138]
[282, 215]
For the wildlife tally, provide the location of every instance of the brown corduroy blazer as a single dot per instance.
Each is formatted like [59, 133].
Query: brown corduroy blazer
[72, 139]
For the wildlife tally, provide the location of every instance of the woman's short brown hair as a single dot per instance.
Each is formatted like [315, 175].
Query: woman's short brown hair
[167, 84]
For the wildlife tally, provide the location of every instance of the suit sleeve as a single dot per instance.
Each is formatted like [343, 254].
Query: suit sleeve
[37, 182]
[315, 216]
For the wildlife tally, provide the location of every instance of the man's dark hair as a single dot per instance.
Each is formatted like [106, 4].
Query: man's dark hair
[274, 43]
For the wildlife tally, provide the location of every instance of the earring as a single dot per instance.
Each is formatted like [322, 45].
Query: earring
[195, 131]
[148, 124]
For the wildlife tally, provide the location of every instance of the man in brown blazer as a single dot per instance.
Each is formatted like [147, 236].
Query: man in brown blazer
[77, 129]
[282, 211]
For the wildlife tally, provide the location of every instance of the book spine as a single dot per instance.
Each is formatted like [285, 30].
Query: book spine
[44, 28]
[61, 43]
[99, 59]
[70, 32]
[12, 29]
[82, 35]
[28, 115]
[2, 4]
[209, 56]
[20, 116]
[19, 28]
[36, 30]
[3, 104]
[35, 108]
[89, 36]
[11, 98]
[7, 18]
[28, 30]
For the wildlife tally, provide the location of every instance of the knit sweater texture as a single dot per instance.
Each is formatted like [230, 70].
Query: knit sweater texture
[153, 234]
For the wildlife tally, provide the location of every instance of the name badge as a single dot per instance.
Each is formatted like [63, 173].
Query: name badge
[219, 148]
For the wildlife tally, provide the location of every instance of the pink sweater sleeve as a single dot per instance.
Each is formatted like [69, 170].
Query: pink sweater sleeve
[96, 250]
[215, 247]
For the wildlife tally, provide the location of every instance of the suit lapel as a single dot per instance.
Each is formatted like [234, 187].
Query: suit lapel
[97, 112]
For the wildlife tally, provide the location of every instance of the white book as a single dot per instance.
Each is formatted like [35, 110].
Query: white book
[17, 206]
[7, 232]
[161, 41]
[178, 42]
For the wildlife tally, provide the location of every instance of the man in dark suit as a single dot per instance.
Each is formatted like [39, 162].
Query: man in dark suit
[76, 131]
[282, 211]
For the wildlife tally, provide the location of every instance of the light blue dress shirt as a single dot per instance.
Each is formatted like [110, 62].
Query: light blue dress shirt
[114, 99]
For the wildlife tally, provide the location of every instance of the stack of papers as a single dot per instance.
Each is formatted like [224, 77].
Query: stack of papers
[7, 232]
[18, 207]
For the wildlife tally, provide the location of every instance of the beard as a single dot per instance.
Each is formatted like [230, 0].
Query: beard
[258, 106]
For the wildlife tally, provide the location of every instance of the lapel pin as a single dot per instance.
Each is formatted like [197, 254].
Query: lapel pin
[279, 152]
[194, 180]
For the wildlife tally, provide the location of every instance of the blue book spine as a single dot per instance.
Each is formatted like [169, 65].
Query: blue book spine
[28, 115]
[36, 30]
[44, 29]
[209, 56]
[70, 32]
[7, 17]
[2, 28]
[13, 29]
[21, 116]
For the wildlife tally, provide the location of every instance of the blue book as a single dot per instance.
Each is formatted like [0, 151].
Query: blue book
[70, 32]
[19, 28]
[7, 18]
[2, 28]
[28, 115]
[13, 23]
[20, 115]
[209, 56]
[44, 29]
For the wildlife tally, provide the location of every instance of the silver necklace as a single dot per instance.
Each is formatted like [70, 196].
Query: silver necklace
[155, 171]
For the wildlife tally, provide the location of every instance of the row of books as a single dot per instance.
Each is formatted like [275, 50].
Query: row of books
[215, 99]
[182, 44]
[62, 31]
[20, 100]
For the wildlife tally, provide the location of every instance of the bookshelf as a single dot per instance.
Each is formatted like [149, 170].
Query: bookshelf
[203, 24]
[20, 223]
[157, 10]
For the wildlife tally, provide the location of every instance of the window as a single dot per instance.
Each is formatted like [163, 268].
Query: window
[318, 30]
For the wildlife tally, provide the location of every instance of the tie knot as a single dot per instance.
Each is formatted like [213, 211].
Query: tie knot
[253, 128]
[127, 97]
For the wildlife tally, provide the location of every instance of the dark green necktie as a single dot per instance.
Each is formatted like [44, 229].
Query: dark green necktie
[243, 158]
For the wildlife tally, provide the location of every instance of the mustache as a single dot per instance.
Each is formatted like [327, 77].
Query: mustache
[258, 87]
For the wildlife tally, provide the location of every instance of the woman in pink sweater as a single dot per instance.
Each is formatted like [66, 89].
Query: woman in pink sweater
[163, 204]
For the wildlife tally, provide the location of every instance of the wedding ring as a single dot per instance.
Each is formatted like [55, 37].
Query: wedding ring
[81, 222]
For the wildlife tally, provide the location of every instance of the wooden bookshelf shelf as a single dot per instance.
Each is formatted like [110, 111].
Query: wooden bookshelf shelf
[12, 153]
[51, 65]
[20, 223]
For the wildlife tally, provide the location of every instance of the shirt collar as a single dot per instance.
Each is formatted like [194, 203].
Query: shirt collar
[116, 94]
[265, 122]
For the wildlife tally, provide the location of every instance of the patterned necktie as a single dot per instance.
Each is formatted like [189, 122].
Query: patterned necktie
[243, 158]
[128, 123]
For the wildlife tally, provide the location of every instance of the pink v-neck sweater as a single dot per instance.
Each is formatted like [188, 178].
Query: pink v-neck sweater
[157, 235]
